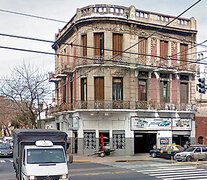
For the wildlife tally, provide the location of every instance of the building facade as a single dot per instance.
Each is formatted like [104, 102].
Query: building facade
[125, 78]
[201, 114]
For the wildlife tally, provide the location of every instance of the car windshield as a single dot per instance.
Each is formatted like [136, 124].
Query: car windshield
[190, 149]
[38, 156]
[5, 146]
[179, 148]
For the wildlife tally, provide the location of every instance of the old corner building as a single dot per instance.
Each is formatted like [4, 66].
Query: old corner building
[124, 77]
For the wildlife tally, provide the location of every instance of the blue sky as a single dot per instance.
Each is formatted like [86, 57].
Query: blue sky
[64, 10]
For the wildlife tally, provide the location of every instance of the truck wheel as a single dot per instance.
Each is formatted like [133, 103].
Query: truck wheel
[189, 158]
[154, 155]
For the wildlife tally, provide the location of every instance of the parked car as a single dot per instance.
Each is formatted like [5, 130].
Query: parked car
[9, 140]
[5, 150]
[192, 153]
[166, 151]
[1, 140]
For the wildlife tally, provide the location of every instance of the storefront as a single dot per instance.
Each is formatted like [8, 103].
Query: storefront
[149, 131]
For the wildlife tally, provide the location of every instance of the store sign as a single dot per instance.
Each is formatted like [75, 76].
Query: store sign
[164, 141]
[181, 124]
[138, 123]
[73, 123]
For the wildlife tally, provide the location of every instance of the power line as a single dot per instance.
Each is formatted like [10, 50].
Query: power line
[33, 16]
[72, 44]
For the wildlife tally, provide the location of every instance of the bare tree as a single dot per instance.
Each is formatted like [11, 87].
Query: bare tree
[25, 86]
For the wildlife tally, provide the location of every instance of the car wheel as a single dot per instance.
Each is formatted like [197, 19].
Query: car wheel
[189, 158]
[154, 155]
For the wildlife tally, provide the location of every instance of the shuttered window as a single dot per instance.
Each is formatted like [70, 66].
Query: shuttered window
[83, 89]
[163, 52]
[99, 44]
[142, 94]
[84, 43]
[117, 44]
[142, 50]
[184, 92]
[99, 88]
[164, 91]
[183, 55]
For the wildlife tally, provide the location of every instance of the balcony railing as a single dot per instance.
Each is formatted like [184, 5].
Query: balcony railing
[134, 61]
[112, 105]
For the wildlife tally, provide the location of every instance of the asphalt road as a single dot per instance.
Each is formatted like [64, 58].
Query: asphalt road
[6, 169]
[139, 170]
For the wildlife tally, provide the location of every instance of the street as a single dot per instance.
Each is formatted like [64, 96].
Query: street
[147, 170]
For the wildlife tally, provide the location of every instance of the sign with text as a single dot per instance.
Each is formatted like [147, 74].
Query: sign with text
[139, 123]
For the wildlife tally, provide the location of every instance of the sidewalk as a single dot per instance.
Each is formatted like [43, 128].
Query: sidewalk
[111, 158]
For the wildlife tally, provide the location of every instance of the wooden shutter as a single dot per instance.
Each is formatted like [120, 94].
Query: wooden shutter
[99, 88]
[84, 42]
[117, 44]
[97, 44]
[163, 52]
[183, 55]
[184, 92]
[142, 50]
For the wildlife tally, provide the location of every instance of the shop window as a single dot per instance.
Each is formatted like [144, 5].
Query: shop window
[119, 139]
[89, 140]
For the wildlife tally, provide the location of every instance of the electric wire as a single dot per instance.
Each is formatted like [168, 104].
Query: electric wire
[33, 16]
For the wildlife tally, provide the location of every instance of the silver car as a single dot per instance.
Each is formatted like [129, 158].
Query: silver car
[192, 153]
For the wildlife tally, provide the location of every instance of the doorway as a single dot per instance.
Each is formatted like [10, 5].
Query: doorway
[180, 139]
[144, 142]
[103, 140]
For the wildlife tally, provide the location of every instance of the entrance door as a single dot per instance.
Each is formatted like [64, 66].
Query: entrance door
[103, 140]
[180, 139]
[144, 142]
[75, 144]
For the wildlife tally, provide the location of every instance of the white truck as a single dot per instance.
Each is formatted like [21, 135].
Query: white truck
[40, 154]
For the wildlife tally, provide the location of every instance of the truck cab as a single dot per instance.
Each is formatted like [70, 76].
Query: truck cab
[44, 160]
[40, 154]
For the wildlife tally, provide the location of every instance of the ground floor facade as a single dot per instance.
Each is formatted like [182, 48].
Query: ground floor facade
[127, 132]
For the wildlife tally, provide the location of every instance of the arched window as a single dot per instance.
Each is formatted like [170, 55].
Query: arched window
[200, 140]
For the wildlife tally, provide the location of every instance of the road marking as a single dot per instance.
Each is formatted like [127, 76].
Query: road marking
[165, 169]
[196, 177]
[173, 171]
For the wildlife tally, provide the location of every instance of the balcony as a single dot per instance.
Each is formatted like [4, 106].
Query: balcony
[133, 61]
[53, 78]
[114, 105]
